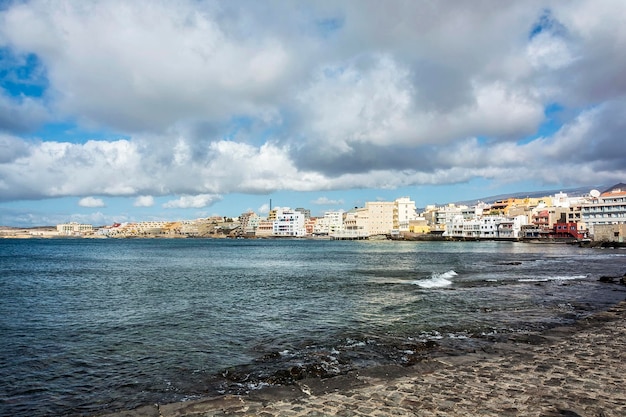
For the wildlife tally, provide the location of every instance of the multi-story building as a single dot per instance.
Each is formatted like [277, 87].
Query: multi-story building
[355, 225]
[249, 223]
[545, 217]
[486, 227]
[380, 217]
[608, 207]
[74, 229]
[331, 223]
[404, 212]
[264, 228]
[306, 212]
[438, 217]
[309, 225]
[289, 223]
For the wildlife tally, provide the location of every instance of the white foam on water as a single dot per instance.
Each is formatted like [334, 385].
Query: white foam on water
[436, 280]
[553, 278]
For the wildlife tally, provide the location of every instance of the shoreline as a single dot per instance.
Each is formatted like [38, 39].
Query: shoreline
[573, 370]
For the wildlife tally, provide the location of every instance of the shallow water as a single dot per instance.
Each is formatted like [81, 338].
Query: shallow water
[92, 325]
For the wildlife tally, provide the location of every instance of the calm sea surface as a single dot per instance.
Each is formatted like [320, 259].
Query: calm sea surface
[93, 325]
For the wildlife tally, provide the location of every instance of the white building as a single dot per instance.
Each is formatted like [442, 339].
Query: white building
[331, 223]
[606, 208]
[405, 211]
[289, 223]
[439, 217]
[355, 225]
[486, 227]
[74, 229]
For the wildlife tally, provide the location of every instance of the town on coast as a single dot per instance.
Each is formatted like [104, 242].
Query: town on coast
[597, 217]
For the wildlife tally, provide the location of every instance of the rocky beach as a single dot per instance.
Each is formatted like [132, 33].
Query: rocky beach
[576, 370]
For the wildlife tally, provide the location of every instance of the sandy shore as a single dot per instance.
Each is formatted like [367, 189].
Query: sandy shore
[578, 370]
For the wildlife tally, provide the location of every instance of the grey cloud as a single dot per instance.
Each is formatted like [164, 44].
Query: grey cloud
[252, 97]
[364, 157]
[21, 115]
[12, 148]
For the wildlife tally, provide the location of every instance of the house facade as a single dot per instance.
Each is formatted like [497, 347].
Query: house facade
[606, 208]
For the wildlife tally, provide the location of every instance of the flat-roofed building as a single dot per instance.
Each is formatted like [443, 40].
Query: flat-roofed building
[608, 207]
[289, 223]
[380, 217]
[74, 229]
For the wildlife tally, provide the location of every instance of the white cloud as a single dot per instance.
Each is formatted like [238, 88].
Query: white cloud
[546, 50]
[235, 97]
[325, 201]
[348, 103]
[21, 114]
[188, 65]
[91, 202]
[144, 201]
[12, 148]
[196, 201]
[264, 209]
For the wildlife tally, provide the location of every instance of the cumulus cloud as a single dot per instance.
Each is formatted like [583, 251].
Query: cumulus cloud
[195, 201]
[144, 201]
[325, 201]
[264, 209]
[20, 115]
[146, 64]
[12, 148]
[91, 202]
[237, 97]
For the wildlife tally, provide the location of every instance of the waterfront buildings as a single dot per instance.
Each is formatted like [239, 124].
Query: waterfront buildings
[288, 223]
[558, 217]
[74, 229]
[331, 224]
[607, 208]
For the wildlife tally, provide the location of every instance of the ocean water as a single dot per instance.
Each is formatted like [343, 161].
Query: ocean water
[88, 326]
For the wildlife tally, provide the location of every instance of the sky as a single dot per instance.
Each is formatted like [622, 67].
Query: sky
[117, 111]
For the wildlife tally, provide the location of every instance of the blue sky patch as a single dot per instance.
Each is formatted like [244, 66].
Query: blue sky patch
[22, 75]
[70, 132]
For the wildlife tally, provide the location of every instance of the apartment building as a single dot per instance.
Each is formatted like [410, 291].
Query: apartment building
[74, 229]
[380, 217]
[404, 212]
[289, 223]
[331, 223]
[439, 217]
[249, 223]
[605, 208]
[355, 225]
[486, 227]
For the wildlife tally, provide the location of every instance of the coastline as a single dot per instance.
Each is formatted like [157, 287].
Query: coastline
[574, 370]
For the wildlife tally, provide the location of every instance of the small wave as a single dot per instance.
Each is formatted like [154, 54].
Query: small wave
[552, 278]
[437, 280]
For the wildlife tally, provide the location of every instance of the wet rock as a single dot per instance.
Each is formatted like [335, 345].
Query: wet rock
[612, 279]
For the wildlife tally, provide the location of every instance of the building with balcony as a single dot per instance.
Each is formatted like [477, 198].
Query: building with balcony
[289, 223]
[331, 223]
[608, 207]
[404, 212]
[486, 227]
[74, 229]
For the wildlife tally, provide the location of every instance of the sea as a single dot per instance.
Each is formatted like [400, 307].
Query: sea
[95, 325]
